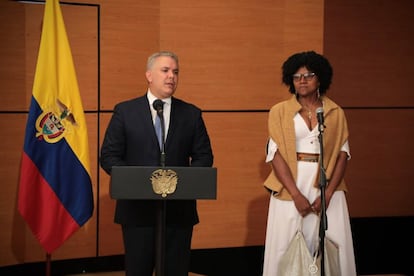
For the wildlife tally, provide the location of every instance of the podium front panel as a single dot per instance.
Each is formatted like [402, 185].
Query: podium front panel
[134, 182]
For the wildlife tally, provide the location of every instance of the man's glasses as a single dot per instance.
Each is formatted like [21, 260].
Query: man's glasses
[306, 76]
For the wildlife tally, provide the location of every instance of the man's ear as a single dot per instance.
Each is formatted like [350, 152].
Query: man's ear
[148, 76]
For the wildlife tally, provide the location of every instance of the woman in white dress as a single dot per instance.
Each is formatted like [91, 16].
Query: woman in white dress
[293, 152]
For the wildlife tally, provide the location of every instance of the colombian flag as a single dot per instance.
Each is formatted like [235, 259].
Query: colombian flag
[55, 192]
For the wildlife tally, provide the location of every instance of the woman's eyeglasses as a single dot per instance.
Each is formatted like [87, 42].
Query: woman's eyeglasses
[306, 76]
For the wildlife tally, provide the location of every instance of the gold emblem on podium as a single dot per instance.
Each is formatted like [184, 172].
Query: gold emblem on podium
[164, 182]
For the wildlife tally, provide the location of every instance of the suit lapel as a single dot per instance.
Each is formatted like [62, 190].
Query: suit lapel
[145, 118]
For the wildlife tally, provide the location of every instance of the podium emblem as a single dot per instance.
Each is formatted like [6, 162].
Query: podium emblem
[164, 182]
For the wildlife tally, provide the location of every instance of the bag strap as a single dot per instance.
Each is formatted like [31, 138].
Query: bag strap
[316, 238]
[313, 268]
[299, 224]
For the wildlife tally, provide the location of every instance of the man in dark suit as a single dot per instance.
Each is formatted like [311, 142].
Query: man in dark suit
[131, 140]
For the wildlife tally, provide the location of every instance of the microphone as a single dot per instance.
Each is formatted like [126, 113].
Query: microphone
[158, 106]
[319, 115]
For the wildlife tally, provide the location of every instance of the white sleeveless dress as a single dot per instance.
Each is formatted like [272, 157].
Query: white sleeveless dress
[283, 218]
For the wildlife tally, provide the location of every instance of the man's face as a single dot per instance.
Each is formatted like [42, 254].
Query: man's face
[163, 77]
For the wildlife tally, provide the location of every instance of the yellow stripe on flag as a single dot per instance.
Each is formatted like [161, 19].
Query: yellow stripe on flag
[56, 86]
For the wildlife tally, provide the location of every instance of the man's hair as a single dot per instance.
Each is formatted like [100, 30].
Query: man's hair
[156, 55]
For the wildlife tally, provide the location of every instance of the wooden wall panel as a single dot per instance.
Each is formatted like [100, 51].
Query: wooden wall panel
[380, 172]
[231, 51]
[370, 46]
[12, 56]
[12, 232]
[130, 32]
[24, 36]
[110, 235]
[82, 28]
[238, 216]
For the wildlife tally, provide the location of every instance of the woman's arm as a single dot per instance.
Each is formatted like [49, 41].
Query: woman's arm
[284, 175]
[337, 175]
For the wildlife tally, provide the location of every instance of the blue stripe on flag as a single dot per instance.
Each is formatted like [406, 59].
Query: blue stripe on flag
[53, 160]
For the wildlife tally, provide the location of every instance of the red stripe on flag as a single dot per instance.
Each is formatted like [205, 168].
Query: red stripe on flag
[41, 208]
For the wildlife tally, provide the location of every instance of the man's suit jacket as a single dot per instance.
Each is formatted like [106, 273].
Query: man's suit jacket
[130, 140]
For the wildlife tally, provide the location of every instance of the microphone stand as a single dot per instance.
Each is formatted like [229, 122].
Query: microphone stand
[323, 224]
[161, 211]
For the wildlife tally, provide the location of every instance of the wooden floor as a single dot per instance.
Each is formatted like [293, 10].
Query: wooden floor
[118, 273]
[122, 273]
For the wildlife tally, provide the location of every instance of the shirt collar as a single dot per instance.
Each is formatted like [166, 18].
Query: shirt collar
[152, 98]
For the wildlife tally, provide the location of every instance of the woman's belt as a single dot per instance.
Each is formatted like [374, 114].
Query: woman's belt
[307, 157]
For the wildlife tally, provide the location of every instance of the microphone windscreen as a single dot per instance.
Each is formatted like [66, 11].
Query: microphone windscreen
[158, 105]
[319, 110]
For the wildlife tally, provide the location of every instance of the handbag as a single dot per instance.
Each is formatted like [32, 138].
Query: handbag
[299, 261]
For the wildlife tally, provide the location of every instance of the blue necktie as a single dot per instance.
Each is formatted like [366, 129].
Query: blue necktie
[158, 130]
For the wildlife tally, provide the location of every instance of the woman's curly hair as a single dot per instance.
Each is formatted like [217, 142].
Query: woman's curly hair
[314, 62]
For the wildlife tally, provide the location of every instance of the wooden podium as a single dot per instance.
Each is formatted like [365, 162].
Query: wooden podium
[161, 184]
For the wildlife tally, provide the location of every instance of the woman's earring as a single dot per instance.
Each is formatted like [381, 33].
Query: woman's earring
[319, 94]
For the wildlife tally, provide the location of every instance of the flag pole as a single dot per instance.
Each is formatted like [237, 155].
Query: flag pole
[48, 257]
